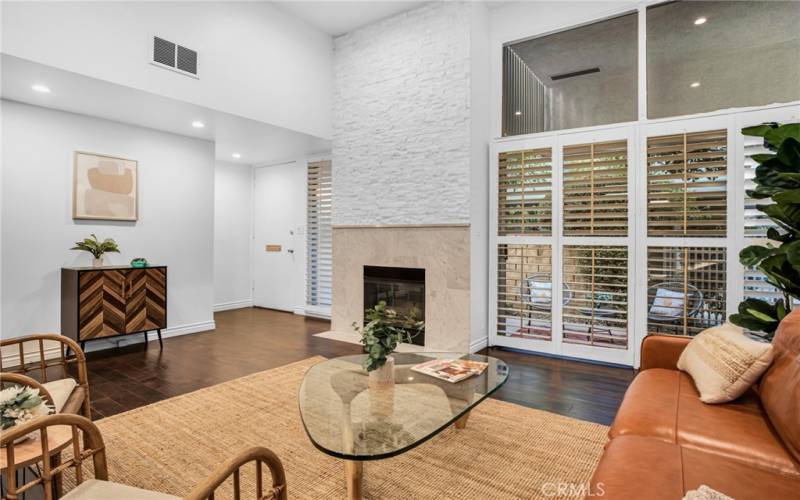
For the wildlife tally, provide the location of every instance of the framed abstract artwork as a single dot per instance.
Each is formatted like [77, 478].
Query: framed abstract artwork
[104, 187]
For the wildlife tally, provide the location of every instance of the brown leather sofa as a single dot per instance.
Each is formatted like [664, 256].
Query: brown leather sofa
[665, 441]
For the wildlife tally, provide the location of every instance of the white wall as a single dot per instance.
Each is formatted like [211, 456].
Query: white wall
[233, 219]
[410, 144]
[479, 176]
[175, 226]
[401, 114]
[254, 60]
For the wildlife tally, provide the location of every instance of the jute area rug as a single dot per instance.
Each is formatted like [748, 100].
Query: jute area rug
[506, 451]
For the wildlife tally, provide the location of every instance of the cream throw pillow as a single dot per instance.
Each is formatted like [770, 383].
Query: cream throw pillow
[724, 362]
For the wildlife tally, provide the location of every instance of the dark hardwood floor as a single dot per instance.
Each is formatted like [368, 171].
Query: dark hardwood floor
[250, 340]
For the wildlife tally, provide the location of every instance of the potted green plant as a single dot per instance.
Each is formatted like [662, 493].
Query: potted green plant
[97, 248]
[385, 329]
[777, 178]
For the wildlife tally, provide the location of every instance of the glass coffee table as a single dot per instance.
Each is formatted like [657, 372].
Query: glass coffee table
[347, 419]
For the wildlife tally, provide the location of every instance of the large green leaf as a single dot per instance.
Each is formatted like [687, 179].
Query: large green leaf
[754, 254]
[776, 136]
[776, 213]
[759, 130]
[788, 196]
[759, 316]
[789, 152]
[761, 158]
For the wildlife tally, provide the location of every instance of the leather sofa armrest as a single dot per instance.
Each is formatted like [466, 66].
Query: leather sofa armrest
[662, 351]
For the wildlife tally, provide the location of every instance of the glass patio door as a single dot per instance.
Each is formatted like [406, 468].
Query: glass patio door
[562, 229]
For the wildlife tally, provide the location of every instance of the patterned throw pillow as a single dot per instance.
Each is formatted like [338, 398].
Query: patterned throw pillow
[724, 362]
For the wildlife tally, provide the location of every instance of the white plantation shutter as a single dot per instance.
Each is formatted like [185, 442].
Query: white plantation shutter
[524, 291]
[525, 203]
[320, 241]
[596, 189]
[595, 292]
[686, 289]
[755, 222]
[687, 184]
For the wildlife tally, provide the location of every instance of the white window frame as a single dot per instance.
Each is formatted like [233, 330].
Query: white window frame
[732, 119]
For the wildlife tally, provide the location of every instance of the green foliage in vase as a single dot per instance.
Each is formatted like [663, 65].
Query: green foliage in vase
[777, 178]
[385, 329]
[96, 247]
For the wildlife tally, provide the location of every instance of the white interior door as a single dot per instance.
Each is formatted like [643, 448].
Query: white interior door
[278, 243]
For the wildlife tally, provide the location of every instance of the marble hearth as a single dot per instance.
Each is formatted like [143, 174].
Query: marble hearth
[442, 251]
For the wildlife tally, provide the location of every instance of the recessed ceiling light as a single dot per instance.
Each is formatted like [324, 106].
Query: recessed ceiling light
[517, 113]
[44, 89]
[198, 124]
[694, 85]
[700, 20]
[236, 155]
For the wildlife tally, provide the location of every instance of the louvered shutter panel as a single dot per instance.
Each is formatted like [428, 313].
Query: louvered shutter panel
[686, 289]
[686, 184]
[596, 189]
[755, 222]
[524, 291]
[320, 241]
[595, 295]
[525, 193]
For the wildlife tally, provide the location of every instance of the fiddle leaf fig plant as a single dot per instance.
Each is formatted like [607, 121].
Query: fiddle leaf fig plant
[385, 329]
[778, 179]
[96, 247]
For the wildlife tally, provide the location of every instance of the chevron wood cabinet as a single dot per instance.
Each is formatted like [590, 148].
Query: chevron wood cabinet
[103, 302]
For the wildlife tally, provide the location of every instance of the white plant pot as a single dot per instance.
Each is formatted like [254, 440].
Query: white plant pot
[383, 376]
[97, 262]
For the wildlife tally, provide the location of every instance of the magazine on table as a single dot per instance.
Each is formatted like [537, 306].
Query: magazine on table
[451, 370]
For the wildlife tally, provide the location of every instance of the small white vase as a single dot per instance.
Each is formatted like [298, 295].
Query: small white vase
[383, 376]
[97, 262]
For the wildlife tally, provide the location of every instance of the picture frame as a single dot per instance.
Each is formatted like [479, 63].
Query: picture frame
[104, 187]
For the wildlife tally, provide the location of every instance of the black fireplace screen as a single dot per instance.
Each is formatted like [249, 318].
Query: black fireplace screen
[402, 288]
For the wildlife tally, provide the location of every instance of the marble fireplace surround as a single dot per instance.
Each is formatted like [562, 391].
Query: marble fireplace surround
[442, 250]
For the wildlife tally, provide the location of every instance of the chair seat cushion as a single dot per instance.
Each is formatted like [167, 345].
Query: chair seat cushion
[94, 489]
[665, 404]
[60, 390]
[639, 467]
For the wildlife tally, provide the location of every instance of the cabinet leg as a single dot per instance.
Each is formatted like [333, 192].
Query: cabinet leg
[83, 346]
[160, 343]
[146, 340]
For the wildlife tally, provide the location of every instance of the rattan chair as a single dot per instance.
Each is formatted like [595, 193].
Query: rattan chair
[91, 446]
[67, 394]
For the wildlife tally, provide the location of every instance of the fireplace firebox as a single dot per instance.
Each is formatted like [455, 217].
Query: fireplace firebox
[402, 288]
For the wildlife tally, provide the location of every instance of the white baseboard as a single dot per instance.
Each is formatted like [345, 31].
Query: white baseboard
[477, 345]
[236, 304]
[98, 345]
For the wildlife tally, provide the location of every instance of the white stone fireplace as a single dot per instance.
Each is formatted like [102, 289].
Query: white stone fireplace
[442, 251]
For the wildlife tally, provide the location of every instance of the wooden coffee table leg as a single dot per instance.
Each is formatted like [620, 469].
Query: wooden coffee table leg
[354, 475]
[461, 423]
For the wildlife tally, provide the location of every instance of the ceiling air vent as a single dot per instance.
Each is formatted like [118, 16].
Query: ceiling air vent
[172, 56]
[573, 74]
